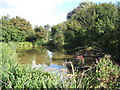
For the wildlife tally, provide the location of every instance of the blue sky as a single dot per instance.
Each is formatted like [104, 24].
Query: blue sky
[41, 12]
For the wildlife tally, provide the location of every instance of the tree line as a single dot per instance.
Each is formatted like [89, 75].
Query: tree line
[90, 24]
[20, 30]
[86, 25]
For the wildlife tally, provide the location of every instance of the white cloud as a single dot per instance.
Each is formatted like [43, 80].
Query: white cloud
[38, 12]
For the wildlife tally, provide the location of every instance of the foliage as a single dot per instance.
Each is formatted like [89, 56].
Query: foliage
[21, 23]
[25, 77]
[7, 54]
[105, 75]
[15, 29]
[57, 36]
[15, 76]
[20, 30]
[41, 35]
[8, 58]
[92, 23]
[82, 5]
[87, 24]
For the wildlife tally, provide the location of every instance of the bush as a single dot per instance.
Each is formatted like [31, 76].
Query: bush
[106, 74]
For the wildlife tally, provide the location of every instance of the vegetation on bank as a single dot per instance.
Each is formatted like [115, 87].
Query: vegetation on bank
[87, 25]
[104, 74]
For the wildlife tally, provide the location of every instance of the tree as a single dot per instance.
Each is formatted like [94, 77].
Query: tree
[57, 35]
[92, 23]
[81, 6]
[21, 24]
[41, 35]
[15, 29]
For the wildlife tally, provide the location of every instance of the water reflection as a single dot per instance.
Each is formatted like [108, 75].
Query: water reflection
[50, 54]
[43, 57]
[51, 67]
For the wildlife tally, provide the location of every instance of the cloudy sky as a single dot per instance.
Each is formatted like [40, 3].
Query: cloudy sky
[41, 12]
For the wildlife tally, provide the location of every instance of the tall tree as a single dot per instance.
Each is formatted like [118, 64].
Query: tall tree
[15, 29]
[82, 5]
[41, 35]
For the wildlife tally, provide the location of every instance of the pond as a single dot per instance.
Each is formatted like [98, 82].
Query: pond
[50, 58]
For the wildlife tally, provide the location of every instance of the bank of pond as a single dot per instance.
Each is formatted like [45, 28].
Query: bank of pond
[23, 65]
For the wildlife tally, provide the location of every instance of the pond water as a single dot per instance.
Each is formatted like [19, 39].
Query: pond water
[51, 59]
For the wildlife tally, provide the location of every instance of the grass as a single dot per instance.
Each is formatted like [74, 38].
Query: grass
[104, 74]
[8, 58]
[25, 77]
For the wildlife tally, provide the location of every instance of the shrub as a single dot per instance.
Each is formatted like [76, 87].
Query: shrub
[106, 75]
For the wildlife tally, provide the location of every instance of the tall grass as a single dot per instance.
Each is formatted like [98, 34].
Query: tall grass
[8, 54]
[104, 74]
[8, 59]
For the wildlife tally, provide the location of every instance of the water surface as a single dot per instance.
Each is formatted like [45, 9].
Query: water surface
[50, 59]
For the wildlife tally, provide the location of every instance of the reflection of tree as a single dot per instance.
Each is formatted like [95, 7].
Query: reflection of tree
[42, 50]
[41, 56]
[59, 56]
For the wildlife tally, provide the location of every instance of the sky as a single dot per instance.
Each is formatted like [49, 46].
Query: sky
[41, 12]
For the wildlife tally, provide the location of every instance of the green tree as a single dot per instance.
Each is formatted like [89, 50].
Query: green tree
[92, 23]
[57, 35]
[41, 35]
[24, 27]
[15, 29]
[82, 5]
[21, 23]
